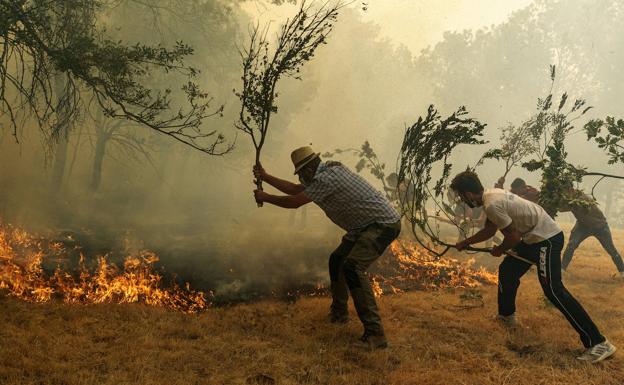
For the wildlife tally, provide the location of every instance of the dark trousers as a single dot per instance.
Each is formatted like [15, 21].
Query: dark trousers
[347, 267]
[603, 234]
[547, 256]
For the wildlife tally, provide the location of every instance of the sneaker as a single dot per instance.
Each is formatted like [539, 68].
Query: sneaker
[373, 341]
[598, 352]
[508, 321]
[338, 319]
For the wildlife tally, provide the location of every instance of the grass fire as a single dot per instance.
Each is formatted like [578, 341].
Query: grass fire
[24, 258]
[22, 275]
[311, 192]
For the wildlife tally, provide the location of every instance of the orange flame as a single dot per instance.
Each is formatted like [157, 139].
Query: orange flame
[407, 266]
[23, 276]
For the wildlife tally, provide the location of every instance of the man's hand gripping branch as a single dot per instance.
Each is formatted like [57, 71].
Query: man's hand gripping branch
[295, 197]
[512, 238]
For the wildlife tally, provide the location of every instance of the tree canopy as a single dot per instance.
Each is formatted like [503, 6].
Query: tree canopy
[55, 60]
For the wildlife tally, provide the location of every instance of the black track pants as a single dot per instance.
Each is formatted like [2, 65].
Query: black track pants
[547, 256]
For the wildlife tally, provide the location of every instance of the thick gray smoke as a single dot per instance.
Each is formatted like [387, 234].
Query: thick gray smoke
[198, 212]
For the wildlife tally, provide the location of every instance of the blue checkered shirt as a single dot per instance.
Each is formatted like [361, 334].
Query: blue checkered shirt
[348, 199]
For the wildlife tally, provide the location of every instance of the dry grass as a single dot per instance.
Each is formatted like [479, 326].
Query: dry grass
[433, 342]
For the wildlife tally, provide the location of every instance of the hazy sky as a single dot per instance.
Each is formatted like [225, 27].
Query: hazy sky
[415, 23]
[419, 23]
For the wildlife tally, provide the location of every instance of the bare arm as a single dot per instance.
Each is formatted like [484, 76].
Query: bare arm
[282, 185]
[287, 202]
[512, 238]
[484, 234]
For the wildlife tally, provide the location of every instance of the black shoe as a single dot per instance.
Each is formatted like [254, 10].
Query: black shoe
[374, 341]
[338, 318]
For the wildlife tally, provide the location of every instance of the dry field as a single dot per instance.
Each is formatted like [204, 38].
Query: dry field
[434, 341]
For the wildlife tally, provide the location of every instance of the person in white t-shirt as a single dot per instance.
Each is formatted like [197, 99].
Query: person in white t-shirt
[534, 236]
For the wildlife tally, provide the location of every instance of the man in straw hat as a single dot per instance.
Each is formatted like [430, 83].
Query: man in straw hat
[354, 205]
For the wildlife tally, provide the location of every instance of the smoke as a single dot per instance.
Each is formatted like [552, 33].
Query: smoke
[197, 212]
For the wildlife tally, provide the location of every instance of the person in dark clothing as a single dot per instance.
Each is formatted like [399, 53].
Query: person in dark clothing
[534, 236]
[590, 222]
[370, 222]
[520, 188]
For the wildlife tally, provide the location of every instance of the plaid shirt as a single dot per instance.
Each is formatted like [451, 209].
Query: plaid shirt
[348, 199]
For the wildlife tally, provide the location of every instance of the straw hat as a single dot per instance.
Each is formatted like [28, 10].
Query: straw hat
[302, 156]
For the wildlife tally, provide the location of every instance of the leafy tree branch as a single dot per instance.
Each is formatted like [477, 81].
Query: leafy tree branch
[265, 64]
[44, 44]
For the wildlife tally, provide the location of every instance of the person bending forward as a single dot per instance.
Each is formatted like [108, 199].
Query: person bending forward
[535, 237]
[590, 221]
[353, 204]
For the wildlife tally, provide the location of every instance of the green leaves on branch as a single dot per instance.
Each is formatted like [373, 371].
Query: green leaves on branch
[548, 129]
[516, 143]
[612, 141]
[59, 41]
[264, 64]
[558, 176]
[428, 144]
[543, 136]
[368, 160]
[495, 153]
[533, 165]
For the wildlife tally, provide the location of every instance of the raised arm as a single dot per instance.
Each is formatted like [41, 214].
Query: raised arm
[282, 185]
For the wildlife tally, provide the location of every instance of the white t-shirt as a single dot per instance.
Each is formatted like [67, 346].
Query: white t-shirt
[504, 208]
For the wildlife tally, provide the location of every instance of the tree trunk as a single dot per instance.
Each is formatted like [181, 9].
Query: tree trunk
[60, 153]
[98, 160]
[258, 181]
[60, 157]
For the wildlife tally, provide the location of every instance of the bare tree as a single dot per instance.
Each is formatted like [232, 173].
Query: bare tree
[264, 65]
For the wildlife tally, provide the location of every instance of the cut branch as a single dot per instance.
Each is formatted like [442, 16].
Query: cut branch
[264, 65]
